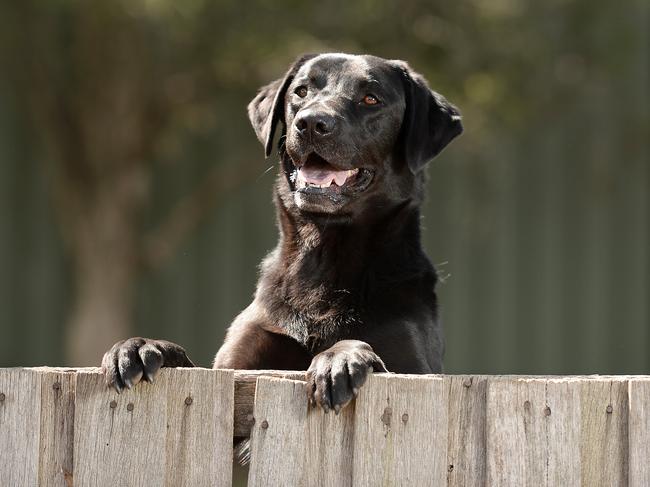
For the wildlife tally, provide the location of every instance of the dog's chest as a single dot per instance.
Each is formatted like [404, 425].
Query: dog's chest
[318, 334]
[317, 297]
[321, 317]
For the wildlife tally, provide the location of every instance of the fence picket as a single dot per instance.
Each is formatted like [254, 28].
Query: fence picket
[293, 444]
[199, 427]
[400, 434]
[639, 432]
[604, 440]
[466, 430]
[20, 410]
[277, 437]
[516, 446]
[563, 434]
[119, 439]
[56, 427]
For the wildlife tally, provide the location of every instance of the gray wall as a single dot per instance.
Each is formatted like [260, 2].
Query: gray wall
[540, 216]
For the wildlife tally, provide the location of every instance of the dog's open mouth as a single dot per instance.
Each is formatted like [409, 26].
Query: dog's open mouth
[317, 175]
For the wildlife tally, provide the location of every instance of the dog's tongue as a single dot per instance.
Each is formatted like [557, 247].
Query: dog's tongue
[324, 176]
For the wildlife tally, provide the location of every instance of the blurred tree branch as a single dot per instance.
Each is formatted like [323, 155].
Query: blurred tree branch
[163, 242]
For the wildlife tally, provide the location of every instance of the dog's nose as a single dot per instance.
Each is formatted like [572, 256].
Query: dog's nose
[315, 124]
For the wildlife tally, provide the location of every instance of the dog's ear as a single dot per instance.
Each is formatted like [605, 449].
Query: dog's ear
[267, 108]
[430, 121]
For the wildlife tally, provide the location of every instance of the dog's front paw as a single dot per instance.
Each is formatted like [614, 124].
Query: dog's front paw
[128, 361]
[335, 375]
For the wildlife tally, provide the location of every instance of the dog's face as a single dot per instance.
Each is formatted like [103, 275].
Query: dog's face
[357, 132]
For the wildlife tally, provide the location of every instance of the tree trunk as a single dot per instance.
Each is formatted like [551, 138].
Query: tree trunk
[105, 260]
[103, 300]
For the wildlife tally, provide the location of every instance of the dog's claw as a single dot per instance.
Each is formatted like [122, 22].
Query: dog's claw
[335, 375]
[130, 361]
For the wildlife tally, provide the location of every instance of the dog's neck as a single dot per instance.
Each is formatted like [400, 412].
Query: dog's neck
[318, 279]
[316, 253]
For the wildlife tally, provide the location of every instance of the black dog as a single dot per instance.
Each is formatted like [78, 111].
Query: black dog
[348, 282]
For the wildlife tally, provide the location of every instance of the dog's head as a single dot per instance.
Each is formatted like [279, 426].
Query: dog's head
[357, 132]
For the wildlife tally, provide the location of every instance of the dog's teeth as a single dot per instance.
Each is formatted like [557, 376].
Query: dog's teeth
[323, 181]
[341, 177]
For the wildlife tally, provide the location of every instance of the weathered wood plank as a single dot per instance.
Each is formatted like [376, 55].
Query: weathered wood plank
[494, 430]
[516, 446]
[604, 428]
[245, 383]
[57, 428]
[288, 435]
[329, 447]
[119, 439]
[20, 411]
[639, 432]
[466, 431]
[400, 435]
[277, 438]
[199, 427]
[562, 432]
[533, 431]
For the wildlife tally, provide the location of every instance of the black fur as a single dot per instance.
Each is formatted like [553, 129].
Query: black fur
[348, 289]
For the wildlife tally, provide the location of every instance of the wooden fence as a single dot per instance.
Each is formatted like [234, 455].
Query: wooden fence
[62, 427]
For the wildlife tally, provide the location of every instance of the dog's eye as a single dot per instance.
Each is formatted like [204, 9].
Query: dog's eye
[301, 91]
[370, 100]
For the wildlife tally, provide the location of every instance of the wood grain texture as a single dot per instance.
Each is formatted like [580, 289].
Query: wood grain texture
[563, 434]
[119, 439]
[199, 445]
[57, 428]
[466, 430]
[245, 383]
[533, 432]
[604, 432]
[329, 447]
[293, 444]
[20, 411]
[277, 439]
[60, 425]
[175, 432]
[516, 446]
[639, 432]
[400, 431]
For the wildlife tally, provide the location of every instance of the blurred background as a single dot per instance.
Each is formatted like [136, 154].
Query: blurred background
[136, 200]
